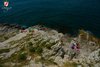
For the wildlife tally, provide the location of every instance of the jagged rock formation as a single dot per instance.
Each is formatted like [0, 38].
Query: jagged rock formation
[43, 47]
[7, 31]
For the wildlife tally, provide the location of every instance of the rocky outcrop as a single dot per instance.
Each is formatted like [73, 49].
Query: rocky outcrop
[45, 47]
[95, 56]
[7, 31]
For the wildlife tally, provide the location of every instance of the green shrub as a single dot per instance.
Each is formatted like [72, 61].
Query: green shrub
[30, 43]
[39, 50]
[22, 56]
[32, 49]
[1, 65]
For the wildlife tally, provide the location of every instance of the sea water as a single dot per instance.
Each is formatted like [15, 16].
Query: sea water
[65, 15]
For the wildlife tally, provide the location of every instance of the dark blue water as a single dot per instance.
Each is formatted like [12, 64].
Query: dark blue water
[65, 15]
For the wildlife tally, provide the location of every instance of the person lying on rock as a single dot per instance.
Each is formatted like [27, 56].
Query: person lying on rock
[74, 49]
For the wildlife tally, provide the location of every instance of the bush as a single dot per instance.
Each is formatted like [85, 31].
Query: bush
[32, 49]
[30, 43]
[1, 65]
[22, 56]
[39, 50]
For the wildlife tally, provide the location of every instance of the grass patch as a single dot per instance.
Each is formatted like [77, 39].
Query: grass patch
[22, 56]
[32, 49]
[71, 64]
[39, 50]
[1, 65]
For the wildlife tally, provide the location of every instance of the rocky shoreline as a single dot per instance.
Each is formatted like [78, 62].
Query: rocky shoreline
[39, 46]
